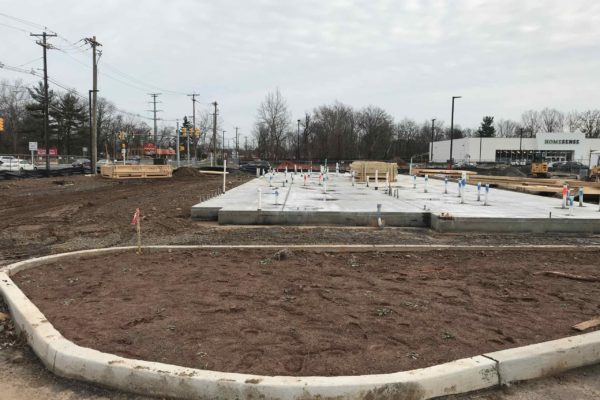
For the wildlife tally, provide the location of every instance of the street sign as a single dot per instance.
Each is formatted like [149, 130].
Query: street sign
[32, 146]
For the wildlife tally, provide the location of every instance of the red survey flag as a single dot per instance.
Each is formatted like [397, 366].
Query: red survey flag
[136, 216]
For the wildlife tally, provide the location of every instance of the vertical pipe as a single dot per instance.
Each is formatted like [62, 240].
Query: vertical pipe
[414, 181]
[446, 185]
[580, 196]
[426, 181]
[478, 191]
[487, 190]
[224, 175]
[259, 199]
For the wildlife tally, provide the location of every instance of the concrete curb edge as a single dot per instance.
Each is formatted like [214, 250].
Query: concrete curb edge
[69, 360]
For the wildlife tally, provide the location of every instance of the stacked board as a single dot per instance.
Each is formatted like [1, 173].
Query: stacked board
[366, 170]
[116, 171]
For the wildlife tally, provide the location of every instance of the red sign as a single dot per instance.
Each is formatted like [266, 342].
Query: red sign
[149, 148]
[52, 151]
[165, 152]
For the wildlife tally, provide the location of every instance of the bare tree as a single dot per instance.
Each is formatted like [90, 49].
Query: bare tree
[589, 123]
[530, 122]
[13, 97]
[551, 120]
[506, 128]
[376, 132]
[572, 121]
[272, 125]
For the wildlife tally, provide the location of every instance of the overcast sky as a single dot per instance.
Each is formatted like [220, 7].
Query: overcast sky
[409, 57]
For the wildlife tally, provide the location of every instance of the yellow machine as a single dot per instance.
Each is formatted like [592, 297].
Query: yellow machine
[539, 166]
[595, 166]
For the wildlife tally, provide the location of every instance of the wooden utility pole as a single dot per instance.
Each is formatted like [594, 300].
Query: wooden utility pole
[45, 46]
[94, 150]
[214, 141]
[154, 111]
[237, 143]
[193, 96]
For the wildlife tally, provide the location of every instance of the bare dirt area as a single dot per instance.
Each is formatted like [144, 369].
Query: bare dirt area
[314, 312]
[53, 215]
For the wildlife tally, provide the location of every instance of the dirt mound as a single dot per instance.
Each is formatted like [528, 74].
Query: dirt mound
[185, 172]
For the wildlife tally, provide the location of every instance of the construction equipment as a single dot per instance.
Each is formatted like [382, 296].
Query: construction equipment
[594, 166]
[539, 166]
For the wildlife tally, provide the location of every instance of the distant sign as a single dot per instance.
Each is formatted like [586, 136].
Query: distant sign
[32, 146]
[52, 151]
[149, 149]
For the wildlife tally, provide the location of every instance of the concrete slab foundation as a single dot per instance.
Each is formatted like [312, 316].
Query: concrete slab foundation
[288, 199]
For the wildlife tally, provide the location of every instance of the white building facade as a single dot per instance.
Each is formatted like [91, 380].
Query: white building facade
[566, 146]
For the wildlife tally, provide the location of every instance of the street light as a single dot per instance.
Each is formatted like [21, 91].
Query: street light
[452, 129]
[432, 133]
[298, 149]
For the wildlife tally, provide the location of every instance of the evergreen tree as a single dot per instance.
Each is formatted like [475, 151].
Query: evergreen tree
[487, 127]
[70, 115]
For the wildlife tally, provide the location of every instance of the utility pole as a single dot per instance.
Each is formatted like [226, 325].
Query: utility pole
[193, 96]
[94, 150]
[214, 141]
[45, 46]
[237, 144]
[298, 149]
[177, 140]
[432, 138]
[452, 130]
[154, 110]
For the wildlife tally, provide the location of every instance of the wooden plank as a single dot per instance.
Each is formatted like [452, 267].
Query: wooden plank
[582, 326]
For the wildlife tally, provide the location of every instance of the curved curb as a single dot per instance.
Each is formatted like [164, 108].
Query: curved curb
[69, 360]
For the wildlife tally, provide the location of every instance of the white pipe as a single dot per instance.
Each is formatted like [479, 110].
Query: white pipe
[259, 199]
[224, 175]
[571, 202]
[487, 190]
[446, 185]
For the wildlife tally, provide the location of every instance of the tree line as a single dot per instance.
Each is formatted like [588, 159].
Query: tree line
[338, 131]
[22, 108]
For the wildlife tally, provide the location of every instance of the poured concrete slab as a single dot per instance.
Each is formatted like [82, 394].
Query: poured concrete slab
[292, 201]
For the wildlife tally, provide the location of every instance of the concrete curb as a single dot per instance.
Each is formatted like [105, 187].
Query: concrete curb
[66, 359]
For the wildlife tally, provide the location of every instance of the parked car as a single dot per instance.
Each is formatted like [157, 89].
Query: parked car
[81, 162]
[252, 166]
[7, 158]
[16, 165]
[102, 162]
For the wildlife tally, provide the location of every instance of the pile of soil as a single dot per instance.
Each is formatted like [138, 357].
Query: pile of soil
[314, 313]
[186, 172]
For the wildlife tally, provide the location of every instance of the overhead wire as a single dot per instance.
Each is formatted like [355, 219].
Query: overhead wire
[133, 82]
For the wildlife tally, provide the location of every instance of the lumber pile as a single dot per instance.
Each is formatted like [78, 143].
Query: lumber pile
[366, 170]
[451, 173]
[116, 171]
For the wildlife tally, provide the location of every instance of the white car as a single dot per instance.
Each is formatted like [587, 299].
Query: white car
[16, 165]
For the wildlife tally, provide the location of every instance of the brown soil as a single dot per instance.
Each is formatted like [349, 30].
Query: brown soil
[313, 313]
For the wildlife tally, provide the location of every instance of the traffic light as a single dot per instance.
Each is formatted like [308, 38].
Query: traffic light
[197, 132]
[184, 132]
[121, 136]
[1, 124]
[181, 148]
